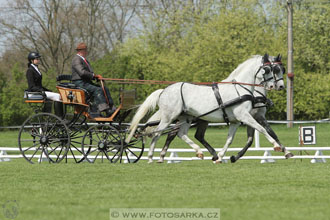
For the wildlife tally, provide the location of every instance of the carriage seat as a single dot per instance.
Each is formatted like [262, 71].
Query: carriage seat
[70, 93]
[34, 97]
[67, 81]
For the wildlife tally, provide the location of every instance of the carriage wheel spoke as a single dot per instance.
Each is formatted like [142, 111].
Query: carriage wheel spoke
[60, 151]
[76, 148]
[35, 144]
[73, 155]
[96, 156]
[114, 156]
[53, 150]
[116, 138]
[92, 150]
[107, 156]
[40, 158]
[34, 153]
[97, 135]
[132, 152]
[127, 157]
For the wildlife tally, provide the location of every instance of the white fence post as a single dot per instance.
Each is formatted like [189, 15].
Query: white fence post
[173, 155]
[257, 139]
[3, 153]
[42, 157]
[267, 153]
[318, 160]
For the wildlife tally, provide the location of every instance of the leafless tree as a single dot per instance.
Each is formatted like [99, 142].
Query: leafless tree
[54, 27]
[43, 29]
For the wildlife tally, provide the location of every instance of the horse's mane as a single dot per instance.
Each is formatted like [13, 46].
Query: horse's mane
[241, 66]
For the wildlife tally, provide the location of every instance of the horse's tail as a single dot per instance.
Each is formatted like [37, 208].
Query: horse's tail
[148, 105]
[154, 118]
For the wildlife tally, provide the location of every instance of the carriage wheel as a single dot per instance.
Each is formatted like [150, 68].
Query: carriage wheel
[107, 144]
[77, 127]
[44, 137]
[133, 151]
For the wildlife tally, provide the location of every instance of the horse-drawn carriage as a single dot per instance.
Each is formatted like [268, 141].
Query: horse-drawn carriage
[49, 137]
[69, 136]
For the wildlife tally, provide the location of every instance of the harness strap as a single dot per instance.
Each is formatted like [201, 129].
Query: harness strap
[220, 103]
[239, 99]
[262, 99]
[235, 101]
[184, 107]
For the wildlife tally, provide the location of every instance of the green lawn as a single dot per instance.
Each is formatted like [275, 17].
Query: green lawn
[245, 190]
[287, 189]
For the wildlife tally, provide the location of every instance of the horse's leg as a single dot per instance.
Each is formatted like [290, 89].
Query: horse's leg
[263, 122]
[250, 134]
[200, 134]
[162, 125]
[246, 118]
[231, 134]
[169, 139]
[183, 135]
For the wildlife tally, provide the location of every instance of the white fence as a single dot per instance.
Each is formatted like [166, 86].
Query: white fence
[177, 155]
[174, 154]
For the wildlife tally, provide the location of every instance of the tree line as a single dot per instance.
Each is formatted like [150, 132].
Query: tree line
[172, 40]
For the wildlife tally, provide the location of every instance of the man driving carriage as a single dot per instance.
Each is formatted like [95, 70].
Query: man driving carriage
[82, 76]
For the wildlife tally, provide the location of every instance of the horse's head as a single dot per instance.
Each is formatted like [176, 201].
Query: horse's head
[265, 75]
[278, 71]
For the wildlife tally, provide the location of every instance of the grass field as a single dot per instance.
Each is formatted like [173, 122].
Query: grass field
[287, 189]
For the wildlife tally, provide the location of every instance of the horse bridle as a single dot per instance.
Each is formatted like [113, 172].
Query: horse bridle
[270, 67]
[267, 67]
[277, 65]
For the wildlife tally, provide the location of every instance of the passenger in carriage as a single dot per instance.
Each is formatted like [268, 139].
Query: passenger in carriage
[82, 76]
[34, 79]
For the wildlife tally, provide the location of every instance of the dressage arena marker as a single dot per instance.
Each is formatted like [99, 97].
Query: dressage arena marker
[307, 135]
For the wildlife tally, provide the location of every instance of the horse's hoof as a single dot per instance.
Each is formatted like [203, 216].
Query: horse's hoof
[217, 162]
[201, 156]
[278, 149]
[288, 155]
[233, 159]
[150, 161]
[214, 158]
[160, 161]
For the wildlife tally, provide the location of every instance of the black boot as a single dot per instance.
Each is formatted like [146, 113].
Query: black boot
[58, 109]
[47, 106]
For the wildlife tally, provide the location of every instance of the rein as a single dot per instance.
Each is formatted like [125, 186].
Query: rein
[157, 82]
[104, 92]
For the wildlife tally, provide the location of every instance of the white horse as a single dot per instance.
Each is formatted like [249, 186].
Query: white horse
[201, 102]
[258, 112]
